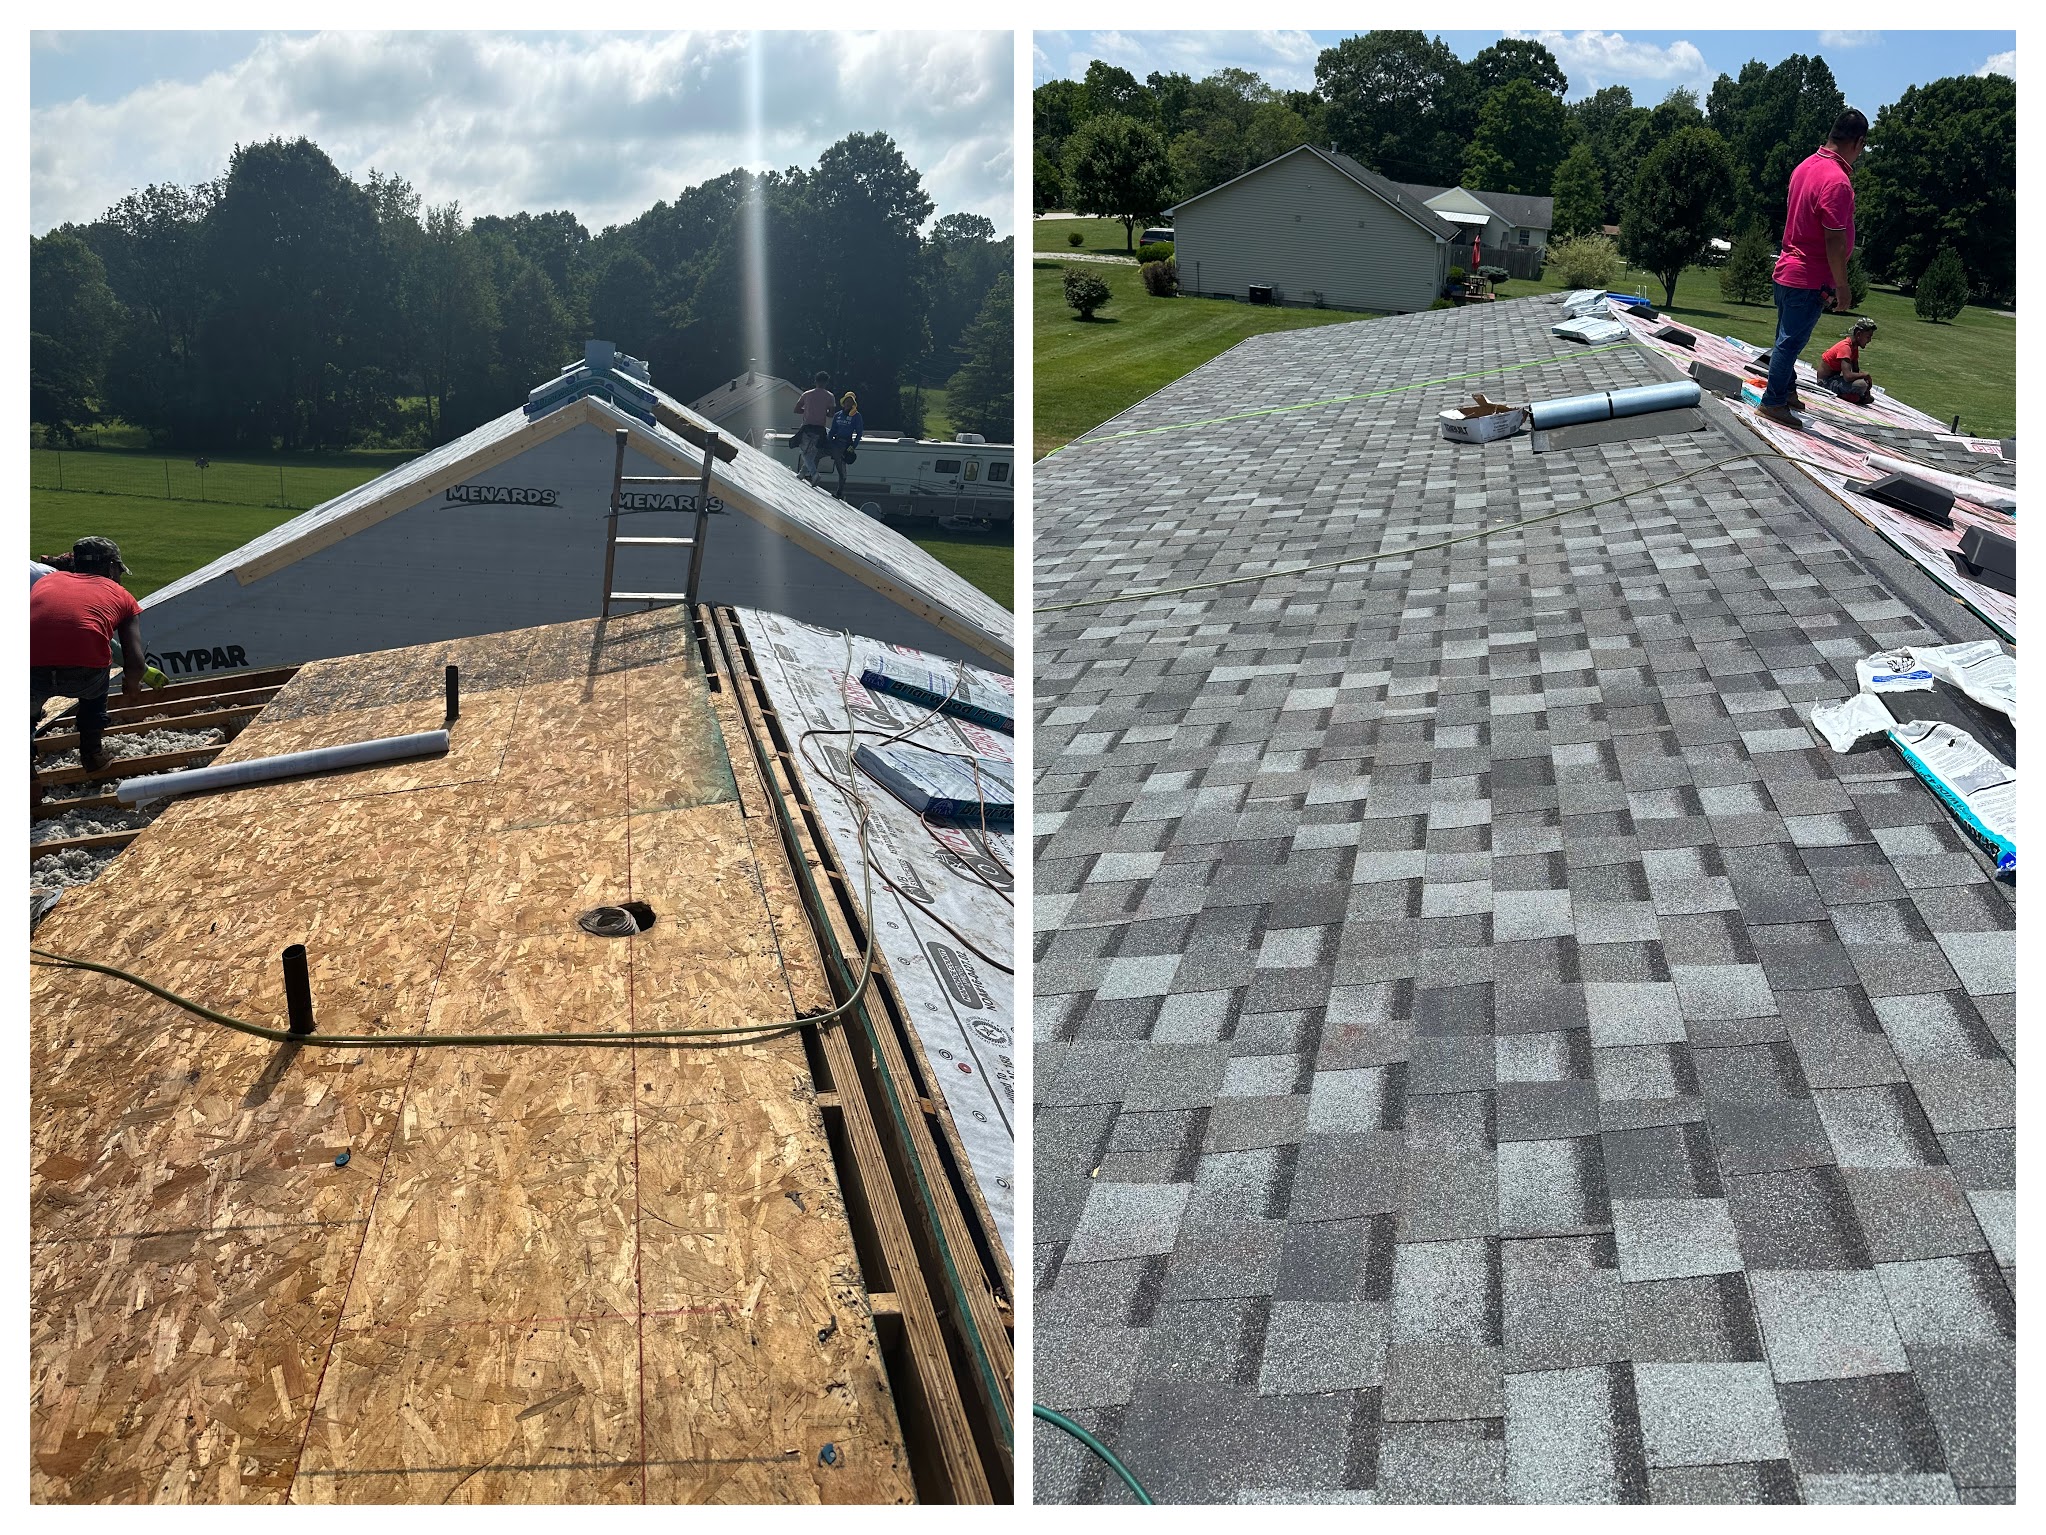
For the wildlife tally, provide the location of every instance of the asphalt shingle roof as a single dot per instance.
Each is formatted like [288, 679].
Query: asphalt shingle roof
[1488, 1047]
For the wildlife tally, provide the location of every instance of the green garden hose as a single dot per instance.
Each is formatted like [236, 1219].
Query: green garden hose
[1060, 1420]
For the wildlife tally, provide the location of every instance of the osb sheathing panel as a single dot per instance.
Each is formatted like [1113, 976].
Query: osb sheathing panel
[579, 1275]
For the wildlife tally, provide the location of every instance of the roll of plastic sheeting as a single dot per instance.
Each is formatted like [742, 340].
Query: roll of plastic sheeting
[324, 759]
[1645, 399]
[1980, 492]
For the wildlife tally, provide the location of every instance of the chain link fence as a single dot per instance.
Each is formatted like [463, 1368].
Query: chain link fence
[288, 486]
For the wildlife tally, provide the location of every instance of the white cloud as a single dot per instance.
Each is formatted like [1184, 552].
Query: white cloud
[1849, 39]
[603, 125]
[1595, 59]
[2001, 64]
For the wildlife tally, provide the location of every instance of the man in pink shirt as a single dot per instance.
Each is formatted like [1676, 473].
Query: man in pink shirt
[814, 407]
[1811, 273]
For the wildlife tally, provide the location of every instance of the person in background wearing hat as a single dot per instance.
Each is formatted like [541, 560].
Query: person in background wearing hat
[73, 617]
[1840, 367]
[847, 431]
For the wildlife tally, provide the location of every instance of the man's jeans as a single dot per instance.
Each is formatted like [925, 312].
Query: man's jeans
[1797, 316]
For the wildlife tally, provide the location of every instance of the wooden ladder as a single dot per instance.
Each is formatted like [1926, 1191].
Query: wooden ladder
[713, 449]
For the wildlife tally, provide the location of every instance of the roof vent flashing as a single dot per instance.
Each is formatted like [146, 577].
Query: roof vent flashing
[622, 380]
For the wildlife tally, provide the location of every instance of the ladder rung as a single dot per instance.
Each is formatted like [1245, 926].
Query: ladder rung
[657, 479]
[684, 542]
[649, 597]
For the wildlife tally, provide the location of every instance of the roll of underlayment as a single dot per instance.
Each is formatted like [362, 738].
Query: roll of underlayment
[1640, 401]
[325, 759]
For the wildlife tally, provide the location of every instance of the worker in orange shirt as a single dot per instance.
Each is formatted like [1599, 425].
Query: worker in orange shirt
[1840, 367]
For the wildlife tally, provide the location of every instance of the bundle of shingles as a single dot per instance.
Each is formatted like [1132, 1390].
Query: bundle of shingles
[1958, 731]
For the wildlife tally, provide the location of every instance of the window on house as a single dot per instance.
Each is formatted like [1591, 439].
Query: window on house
[1523, 237]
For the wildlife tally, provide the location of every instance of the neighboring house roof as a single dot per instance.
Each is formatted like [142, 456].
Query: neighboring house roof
[735, 395]
[1388, 192]
[1517, 209]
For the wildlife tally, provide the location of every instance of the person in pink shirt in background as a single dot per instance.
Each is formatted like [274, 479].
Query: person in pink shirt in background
[814, 406]
[1811, 272]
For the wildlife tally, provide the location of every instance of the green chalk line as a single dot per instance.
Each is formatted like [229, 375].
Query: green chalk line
[1346, 399]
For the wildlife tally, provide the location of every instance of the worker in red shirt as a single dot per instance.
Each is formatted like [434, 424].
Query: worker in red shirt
[1840, 367]
[73, 617]
[1811, 272]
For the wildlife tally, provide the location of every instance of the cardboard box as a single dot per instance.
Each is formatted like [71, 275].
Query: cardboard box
[1486, 421]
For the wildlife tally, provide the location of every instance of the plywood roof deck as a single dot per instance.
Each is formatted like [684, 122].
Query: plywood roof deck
[544, 1274]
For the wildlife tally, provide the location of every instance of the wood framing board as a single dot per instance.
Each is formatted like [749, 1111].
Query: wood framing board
[576, 1274]
[963, 1008]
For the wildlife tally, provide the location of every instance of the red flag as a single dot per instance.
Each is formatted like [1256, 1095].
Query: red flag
[1474, 254]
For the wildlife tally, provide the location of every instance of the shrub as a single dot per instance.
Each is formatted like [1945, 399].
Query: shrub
[1157, 250]
[1857, 281]
[1161, 278]
[1494, 273]
[1589, 261]
[1086, 293]
[1457, 274]
[1075, 239]
[1943, 290]
[1748, 276]
[1443, 303]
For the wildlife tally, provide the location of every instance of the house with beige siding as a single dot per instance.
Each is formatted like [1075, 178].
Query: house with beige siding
[1317, 229]
[1502, 220]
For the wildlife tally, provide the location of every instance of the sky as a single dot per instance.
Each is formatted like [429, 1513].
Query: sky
[602, 124]
[1873, 68]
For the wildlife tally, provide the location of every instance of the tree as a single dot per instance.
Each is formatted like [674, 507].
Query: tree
[1274, 128]
[296, 265]
[1057, 107]
[456, 313]
[1675, 112]
[1523, 135]
[1609, 122]
[1047, 186]
[1857, 281]
[1396, 101]
[1942, 170]
[1085, 292]
[1116, 167]
[1771, 118]
[1206, 157]
[1517, 58]
[1942, 289]
[73, 319]
[982, 394]
[1680, 197]
[534, 339]
[1747, 276]
[1111, 88]
[1580, 194]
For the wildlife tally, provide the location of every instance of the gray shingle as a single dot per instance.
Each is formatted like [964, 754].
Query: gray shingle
[1379, 905]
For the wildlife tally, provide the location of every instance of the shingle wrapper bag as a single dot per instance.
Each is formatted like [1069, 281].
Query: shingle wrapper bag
[972, 794]
[1980, 790]
[968, 700]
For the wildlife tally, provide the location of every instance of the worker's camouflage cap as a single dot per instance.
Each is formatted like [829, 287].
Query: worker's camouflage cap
[98, 554]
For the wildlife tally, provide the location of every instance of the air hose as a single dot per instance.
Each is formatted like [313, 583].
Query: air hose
[1102, 1451]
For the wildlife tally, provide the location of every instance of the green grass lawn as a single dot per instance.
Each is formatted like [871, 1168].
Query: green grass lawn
[1134, 346]
[1101, 237]
[937, 415]
[160, 540]
[1966, 367]
[988, 560]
